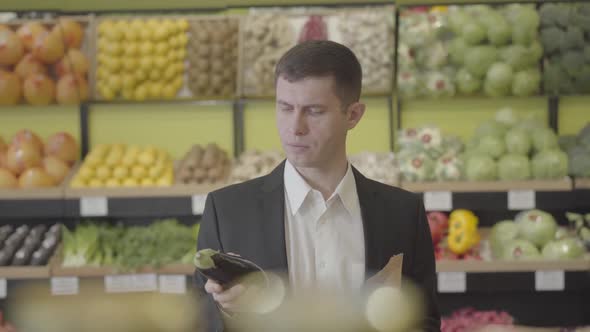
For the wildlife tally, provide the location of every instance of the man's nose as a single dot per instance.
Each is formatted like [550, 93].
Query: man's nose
[298, 123]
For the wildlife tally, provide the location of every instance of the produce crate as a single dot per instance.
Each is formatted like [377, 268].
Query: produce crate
[494, 266]
[582, 183]
[266, 34]
[30, 272]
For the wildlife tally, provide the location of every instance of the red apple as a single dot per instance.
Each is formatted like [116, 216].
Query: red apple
[438, 223]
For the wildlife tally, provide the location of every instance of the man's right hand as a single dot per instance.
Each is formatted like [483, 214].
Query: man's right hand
[227, 298]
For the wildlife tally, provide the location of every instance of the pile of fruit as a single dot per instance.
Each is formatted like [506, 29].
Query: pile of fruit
[426, 155]
[509, 148]
[565, 34]
[203, 164]
[380, 167]
[28, 163]
[141, 59]
[534, 234]
[578, 150]
[470, 50]
[455, 236]
[43, 64]
[213, 57]
[25, 245]
[253, 163]
[120, 165]
[129, 247]
[469, 319]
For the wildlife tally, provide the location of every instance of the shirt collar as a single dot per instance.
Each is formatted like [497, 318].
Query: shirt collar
[297, 189]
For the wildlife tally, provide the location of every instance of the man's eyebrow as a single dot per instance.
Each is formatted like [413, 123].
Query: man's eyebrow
[282, 102]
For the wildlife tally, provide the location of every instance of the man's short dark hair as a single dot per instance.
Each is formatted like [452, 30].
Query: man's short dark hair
[320, 58]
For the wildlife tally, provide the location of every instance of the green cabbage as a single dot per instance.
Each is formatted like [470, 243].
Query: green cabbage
[536, 226]
[467, 83]
[550, 164]
[481, 168]
[567, 248]
[514, 167]
[520, 250]
[502, 233]
[479, 59]
[492, 146]
[499, 31]
[516, 56]
[473, 33]
[518, 141]
[506, 116]
[499, 78]
[457, 48]
[544, 139]
[490, 128]
[526, 82]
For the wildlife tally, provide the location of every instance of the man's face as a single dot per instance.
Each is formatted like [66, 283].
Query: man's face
[312, 121]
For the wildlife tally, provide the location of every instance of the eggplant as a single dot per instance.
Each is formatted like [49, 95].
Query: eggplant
[22, 256]
[22, 229]
[223, 268]
[49, 243]
[6, 255]
[3, 237]
[40, 256]
[32, 241]
[6, 229]
[15, 240]
[38, 230]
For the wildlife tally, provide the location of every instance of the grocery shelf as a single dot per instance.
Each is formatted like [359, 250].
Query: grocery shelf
[176, 200]
[564, 184]
[35, 203]
[583, 184]
[60, 271]
[25, 272]
[482, 266]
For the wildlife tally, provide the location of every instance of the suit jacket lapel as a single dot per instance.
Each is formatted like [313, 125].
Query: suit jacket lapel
[372, 213]
[272, 207]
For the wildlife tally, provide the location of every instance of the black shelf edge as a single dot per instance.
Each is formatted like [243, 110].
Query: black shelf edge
[31, 208]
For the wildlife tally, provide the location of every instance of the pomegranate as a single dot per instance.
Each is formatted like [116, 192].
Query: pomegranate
[26, 135]
[56, 168]
[71, 32]
[7, 179]
[71, 90]
[29, 65]
[10, 88]
[11, 48]
[39, 89]
[63, 146]
[22, 156]
[49, 47]
[35, 177]
[28, 32]
[74, 62]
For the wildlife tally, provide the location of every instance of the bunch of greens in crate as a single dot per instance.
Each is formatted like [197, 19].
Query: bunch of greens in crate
[128, 248]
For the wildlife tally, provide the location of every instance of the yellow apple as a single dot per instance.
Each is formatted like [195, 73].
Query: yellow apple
[130, 182]
[103, 172]
[138, 172]
[147, 182]
[120, 172]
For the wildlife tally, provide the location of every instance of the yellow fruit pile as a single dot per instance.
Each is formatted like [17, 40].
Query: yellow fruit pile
[119, 165]
[141, 59]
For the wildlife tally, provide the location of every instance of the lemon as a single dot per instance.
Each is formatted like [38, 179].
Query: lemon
[128, 94]
[145, 33]
[120, 172]
[180, 54]
[169, 73]
[152, 23]
[113, 34]
[129, 182]
[102, 43]
[146, 48]
[182, 24]
[95, 183]
[160, 62]
[130, 64]
[131, 34]
[161, 48]
[112, 183]
[136, 24]
[168, 92]
[129, 81]
[178, 83]
[113, 64]
[160, 33]
[147, 182]
[155, 90]
[107, 93]
[138, 172]
[182, 40]
[104, 26]
[146, 63]
[155, 74]
[131, 49]
[77, 183]
[141, 93]
[103, 172]
[179, 66]
[115, 82]
[141, 75]
[102, 73]
[85, 173]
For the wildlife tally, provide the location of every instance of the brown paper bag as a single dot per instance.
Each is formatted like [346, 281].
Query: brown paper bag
[390, 275]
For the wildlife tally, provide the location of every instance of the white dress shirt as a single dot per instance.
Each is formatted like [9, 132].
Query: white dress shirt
[324, 238]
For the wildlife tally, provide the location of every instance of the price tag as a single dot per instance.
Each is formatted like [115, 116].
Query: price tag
[438, 201]
[199, 204]
[131, 283]
[521, 199]
[452, 282]
[172, 284]
[94, 207]
[65, 286]
[2, 288]
[551, 280]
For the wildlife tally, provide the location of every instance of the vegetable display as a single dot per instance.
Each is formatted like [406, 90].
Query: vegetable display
[28, 245]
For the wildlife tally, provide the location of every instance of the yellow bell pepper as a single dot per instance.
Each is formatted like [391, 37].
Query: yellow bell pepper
[463, 233]
[460, 242]
[462, 219]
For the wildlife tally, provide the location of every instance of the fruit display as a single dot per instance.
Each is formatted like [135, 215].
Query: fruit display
[370, 35]
[140, 59]
[456, 236]
[253, 163]
[469, 50]
[28, 162]
[266, 37]
[121, 165]
[469, 319]
[578, 151]
[510, 148]
[203, 165]
[43, 63]
[268, 34]
[425, 154]
[28, 246]
[128, 248]
[380, 167]
[534, 234]
[565, 35]
[213, 57]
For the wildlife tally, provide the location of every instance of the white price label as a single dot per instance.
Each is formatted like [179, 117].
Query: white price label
[172, 284]
[94, 207]
[2, 288]
[65, 286]
[521, 199]
[438, 201]
[198, 202]
[550, 280]
[131, 283]
[452, 282]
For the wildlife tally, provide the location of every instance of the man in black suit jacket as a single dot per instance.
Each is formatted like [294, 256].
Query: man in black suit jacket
[318, 90]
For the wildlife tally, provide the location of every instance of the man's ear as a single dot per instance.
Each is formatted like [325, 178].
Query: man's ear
[355, 113]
